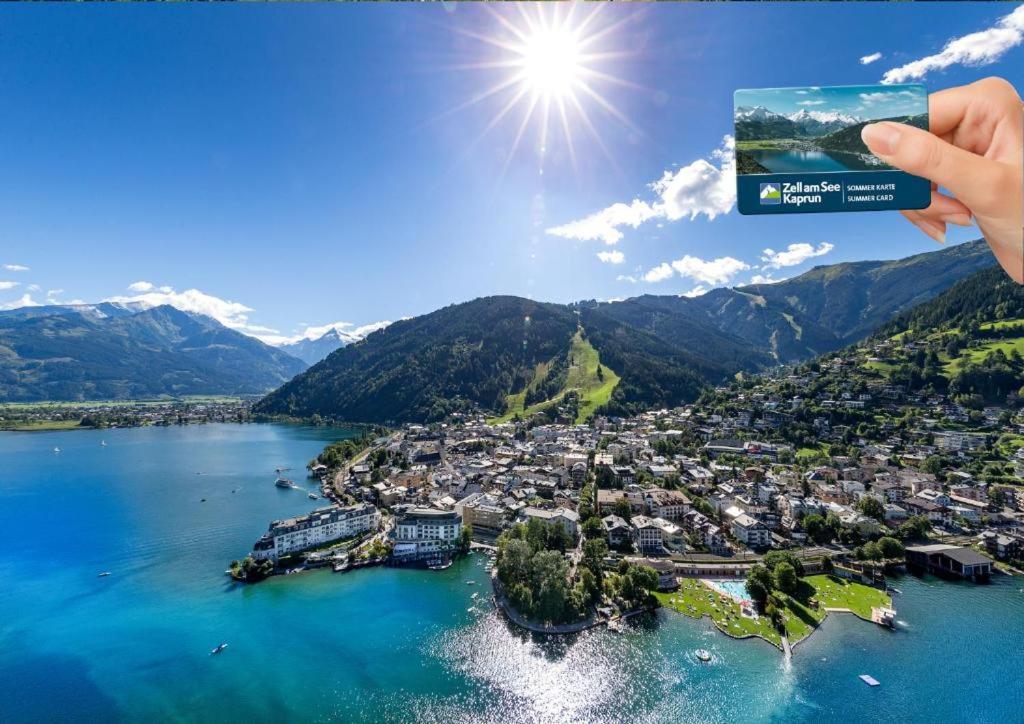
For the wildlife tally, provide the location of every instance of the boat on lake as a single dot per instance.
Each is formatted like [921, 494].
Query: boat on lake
[703, 655]
[104, 574]
[313, 496]
[218, 649]
[869, 680]
[284, 483]
[56, 449]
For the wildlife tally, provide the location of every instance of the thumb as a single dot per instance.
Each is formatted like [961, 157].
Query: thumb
[918, 152]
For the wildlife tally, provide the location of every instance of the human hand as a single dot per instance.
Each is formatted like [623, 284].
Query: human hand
[976, 150]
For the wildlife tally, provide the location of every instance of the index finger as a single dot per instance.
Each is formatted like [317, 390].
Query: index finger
[947, 108]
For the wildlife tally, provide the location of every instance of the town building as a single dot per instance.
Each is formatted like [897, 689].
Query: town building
[425, 534]
[323, 525]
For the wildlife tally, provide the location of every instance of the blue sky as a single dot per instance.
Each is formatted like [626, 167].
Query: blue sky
[298, 165]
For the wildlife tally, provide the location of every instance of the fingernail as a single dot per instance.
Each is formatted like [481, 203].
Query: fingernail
[882, 138]
[958, 219]
[932, 229]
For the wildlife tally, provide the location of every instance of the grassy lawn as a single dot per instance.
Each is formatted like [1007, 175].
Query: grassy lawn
[833, 592]
[37, 425]
[879, 366]
[75, 404]
[582, 378]
[977, 354]
[807, 453]
[696, 599]
[1003, 323]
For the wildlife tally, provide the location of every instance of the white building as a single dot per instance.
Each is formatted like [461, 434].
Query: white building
[422, 533]
[321, 526]
[568, 519]
[750, 531]
[647, 535]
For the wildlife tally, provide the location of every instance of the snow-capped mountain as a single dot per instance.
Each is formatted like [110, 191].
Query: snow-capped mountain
[818, 123]
[755, 113]
[312, 350]
[758, 122]
[803, 115]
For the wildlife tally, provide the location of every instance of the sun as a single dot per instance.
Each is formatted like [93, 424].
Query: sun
[550, 63]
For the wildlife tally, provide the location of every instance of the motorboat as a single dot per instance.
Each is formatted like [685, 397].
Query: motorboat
[703, 655]
[218, 649]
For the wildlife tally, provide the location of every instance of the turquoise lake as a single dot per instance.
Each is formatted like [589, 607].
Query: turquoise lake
[394, 645]
[801, 161]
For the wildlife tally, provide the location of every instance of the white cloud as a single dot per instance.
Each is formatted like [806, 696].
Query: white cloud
[709, 271]
[975, 49]
[869, 59]
[704, 186]
[15, 267]
[659, 273]
[231, 314]
[626, 278]
[810, 103]
[611, 257]
[794, 254]
[768, 278]
[26, 300]
[889, 96]
[140, 287]
[8, 285]
[705, 271]
[697, 291]
[33, 287]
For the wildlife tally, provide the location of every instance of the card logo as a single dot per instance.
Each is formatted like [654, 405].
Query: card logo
[771, 195]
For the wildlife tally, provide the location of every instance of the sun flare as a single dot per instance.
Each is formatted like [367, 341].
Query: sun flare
[551, 62]
[551, 67]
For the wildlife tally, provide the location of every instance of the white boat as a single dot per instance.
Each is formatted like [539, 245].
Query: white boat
[313, 496]
[103, 443]
[869, 680]
[56, 449]
[104, 574]
[283, 483]
[703, 655]
[218, 649]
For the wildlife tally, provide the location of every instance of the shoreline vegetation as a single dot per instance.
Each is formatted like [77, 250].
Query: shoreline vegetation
[106, 414]
[695, 598]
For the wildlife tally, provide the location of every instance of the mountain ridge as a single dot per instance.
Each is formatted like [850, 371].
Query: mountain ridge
[115, 351]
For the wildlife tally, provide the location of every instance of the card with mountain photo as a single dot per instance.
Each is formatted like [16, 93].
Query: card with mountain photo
[799, 150]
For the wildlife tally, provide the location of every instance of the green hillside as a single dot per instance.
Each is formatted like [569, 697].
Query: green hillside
[499, 355]
[967, 341]
[584, 375]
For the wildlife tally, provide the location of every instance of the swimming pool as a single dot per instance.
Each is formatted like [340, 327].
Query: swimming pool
[734, 589]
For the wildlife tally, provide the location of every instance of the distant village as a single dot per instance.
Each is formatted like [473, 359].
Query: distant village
[86, 415]
[825, 461]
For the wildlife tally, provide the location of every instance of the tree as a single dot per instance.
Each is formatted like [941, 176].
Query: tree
[593, 528]
[785, 578]
[549, 583]
[466, 537]
[815, 528]
[890, 547]
[775, 558]
[514, 561]
[759, 584]
[622, 509]
[871, 507]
